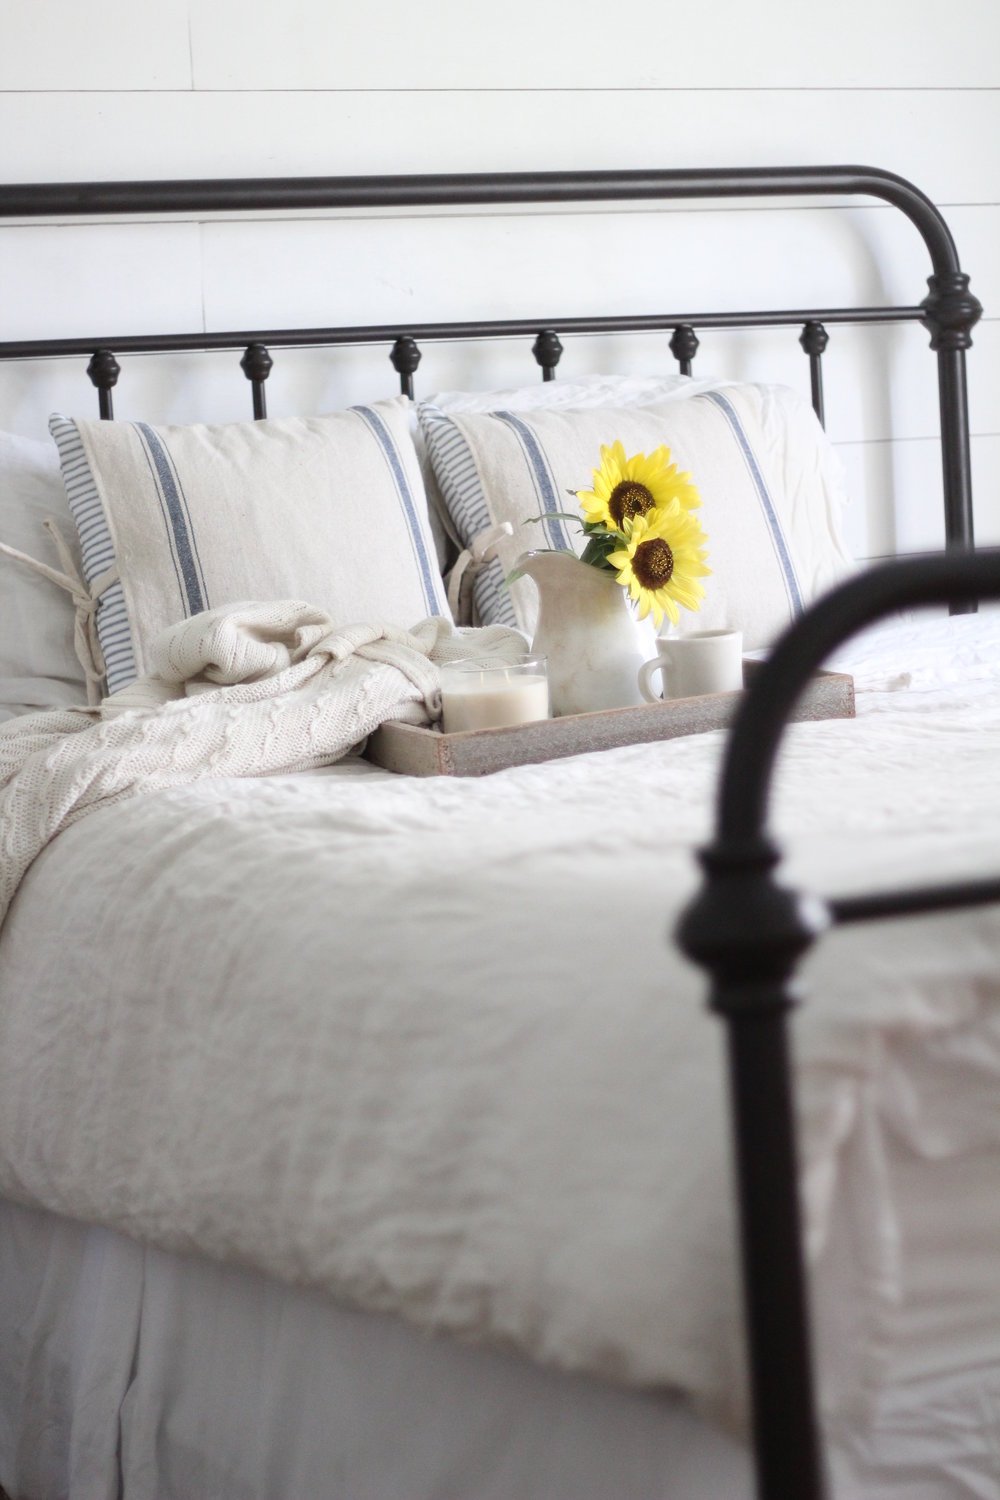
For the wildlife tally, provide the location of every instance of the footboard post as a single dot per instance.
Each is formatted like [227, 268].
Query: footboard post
[750, 933]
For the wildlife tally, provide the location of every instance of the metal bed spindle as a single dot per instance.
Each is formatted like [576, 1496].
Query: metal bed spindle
[684, 346]
[405, 358]
[256, 365]
[104, 371]
[814, 339]
[547, 350]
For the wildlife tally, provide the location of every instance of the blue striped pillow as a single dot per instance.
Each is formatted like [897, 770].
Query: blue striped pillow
[174, 520]
[518, 467]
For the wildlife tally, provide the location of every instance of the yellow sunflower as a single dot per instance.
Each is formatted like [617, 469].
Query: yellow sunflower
[629, 487]
[662, 560]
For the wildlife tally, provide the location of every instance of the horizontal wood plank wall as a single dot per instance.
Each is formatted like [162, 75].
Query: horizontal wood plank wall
[237, 87]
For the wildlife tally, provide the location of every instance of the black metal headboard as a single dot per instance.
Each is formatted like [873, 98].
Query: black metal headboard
[949, 311]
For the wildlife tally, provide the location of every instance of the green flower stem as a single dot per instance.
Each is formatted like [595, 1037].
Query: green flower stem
[598, 548]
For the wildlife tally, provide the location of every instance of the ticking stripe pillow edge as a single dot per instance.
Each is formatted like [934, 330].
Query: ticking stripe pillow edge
[97, 549]
[460, 482]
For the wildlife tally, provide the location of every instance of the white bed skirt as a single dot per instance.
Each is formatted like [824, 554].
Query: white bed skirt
[132, 1373]
[146, 1375]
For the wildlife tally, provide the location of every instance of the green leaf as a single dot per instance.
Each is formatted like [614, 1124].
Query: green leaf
[598, 549]
[554, 515]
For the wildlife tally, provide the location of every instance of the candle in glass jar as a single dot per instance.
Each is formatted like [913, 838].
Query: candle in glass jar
[494, 696]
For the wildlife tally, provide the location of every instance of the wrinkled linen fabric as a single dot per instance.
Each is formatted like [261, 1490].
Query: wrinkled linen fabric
[424, 1043]
[242, 690]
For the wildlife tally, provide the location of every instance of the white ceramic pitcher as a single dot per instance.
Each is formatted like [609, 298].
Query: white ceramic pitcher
[587, 629]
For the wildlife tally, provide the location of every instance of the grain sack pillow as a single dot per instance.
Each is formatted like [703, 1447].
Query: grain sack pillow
[809, 483]
[175, 520]
[516, 467]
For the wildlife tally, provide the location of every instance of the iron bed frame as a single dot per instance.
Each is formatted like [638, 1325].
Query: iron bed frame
[744, 927]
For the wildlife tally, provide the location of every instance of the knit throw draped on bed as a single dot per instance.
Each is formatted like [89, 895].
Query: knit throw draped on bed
[242, 690]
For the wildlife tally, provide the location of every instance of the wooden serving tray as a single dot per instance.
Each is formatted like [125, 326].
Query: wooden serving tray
[413, 750]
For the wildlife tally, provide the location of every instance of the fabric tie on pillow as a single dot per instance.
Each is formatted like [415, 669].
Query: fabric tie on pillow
[85, 602]
[481, 550]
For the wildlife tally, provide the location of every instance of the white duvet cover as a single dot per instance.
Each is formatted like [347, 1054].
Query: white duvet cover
[427, 1045]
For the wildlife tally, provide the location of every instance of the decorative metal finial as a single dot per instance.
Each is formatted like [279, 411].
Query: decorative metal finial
[684, 346]
[547, 350]
[104, 371]
[405, 357]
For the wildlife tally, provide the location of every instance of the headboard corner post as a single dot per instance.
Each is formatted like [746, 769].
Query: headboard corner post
[950, 312]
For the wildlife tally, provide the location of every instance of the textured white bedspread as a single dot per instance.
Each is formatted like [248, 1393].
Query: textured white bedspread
[425, 1043]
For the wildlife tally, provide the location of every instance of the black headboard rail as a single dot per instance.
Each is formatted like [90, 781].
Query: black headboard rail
[949, 311]
[405, 354]
[216, 195]
[497, 328]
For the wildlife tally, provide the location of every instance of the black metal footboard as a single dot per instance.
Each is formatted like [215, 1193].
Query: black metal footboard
[750, 932]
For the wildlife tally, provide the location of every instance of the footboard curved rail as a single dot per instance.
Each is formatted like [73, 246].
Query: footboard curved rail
[749, 932]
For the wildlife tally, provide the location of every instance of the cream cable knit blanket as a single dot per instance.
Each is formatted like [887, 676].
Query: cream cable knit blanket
[242, 690]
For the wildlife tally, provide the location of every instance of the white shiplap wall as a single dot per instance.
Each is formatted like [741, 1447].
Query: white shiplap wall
[239, 87]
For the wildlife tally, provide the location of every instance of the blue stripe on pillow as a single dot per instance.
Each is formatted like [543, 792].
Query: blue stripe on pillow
[173, 504]
[456, 473]
[97, 551]
[545, 486]
[429, 576]
[788, 573]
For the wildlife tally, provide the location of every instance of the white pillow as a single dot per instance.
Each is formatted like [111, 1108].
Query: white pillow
[580, 394]
[810, 485]
[507, 467]
[38, 662]
[809, 489]
[174, 520]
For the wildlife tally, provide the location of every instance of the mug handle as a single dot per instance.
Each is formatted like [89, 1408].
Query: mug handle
[658, 664]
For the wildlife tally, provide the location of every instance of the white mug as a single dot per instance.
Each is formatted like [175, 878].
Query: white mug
[708, 661]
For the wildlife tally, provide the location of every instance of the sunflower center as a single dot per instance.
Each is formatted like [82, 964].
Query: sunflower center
[653, 563]
[628, 500]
